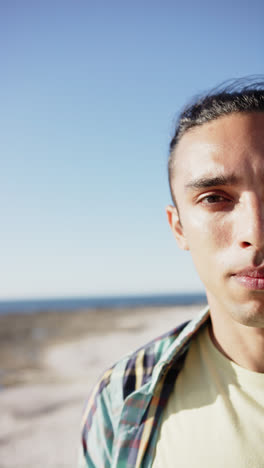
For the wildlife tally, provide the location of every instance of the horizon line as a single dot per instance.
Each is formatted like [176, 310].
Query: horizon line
[101, 296]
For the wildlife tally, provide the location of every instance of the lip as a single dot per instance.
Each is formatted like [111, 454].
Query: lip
[251, 278]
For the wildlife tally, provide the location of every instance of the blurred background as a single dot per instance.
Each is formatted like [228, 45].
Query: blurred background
[89, 95]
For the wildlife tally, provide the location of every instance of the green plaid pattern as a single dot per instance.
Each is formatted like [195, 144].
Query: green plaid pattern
[122, 417]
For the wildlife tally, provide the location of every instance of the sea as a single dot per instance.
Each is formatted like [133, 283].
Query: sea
[31, 306]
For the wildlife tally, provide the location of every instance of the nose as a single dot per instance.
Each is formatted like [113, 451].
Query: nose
[251, 225]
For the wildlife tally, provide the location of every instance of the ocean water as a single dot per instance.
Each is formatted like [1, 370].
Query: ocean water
[62, 304]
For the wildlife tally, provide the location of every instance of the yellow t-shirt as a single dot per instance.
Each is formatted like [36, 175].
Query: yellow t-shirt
[215, 415]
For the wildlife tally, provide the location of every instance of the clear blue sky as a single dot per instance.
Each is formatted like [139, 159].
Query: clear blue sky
[89, 92]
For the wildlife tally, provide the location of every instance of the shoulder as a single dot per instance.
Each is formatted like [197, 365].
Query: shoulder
[136, 369]
[139, 365]
[121, 393]
[129, 374]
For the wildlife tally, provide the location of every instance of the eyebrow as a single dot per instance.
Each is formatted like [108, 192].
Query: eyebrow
[205, 182]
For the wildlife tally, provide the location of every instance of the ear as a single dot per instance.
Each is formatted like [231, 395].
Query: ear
[176, 227]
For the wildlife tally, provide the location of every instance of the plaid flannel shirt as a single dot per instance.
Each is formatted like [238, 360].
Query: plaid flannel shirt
[122, 417]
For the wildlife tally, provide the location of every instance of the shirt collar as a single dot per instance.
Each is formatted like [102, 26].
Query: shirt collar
[178, 346]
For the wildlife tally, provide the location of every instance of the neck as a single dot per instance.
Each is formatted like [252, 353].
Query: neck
[240, 343]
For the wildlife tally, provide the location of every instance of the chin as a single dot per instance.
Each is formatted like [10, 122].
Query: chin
[250, 315]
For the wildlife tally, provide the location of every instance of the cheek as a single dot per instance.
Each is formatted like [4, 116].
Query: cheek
[222, 233]
[209, 233]
[209, 246]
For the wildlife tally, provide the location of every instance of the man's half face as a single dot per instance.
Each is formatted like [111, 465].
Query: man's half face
[219, 188]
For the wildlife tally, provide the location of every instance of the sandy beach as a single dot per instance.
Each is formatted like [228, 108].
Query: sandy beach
[50, 361]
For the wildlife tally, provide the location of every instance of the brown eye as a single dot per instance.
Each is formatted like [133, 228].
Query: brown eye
[214, 199]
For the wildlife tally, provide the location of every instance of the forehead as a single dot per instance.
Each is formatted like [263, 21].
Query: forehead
[230, 143]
